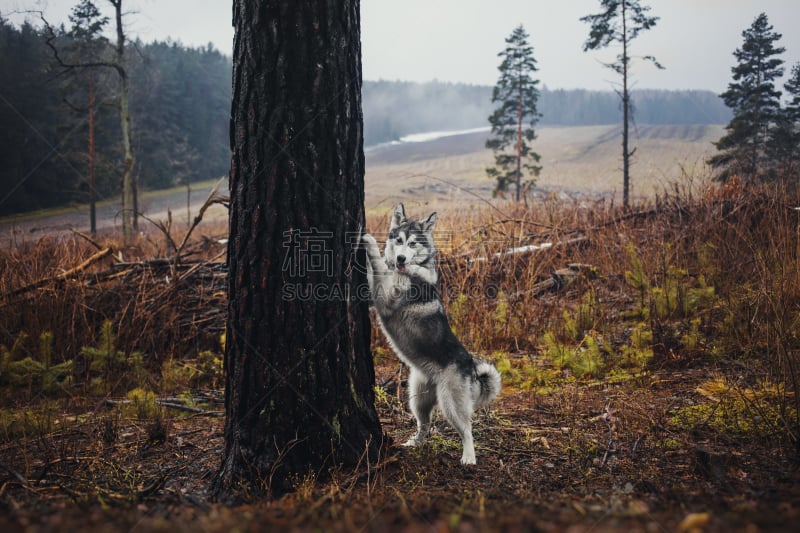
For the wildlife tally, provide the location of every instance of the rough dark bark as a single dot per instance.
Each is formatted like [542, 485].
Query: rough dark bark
[299, 376]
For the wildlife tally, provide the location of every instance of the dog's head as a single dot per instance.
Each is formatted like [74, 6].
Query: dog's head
[410, 242]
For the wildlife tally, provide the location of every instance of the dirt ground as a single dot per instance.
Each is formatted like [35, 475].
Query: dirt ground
[594, 457]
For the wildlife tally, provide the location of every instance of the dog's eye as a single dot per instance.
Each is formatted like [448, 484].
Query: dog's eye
[399, 241]
[412, 244]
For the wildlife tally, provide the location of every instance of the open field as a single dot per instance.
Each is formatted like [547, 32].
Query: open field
[577, 161]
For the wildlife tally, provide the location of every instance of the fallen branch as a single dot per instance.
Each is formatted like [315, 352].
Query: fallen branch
[86, 264]
[169, 403]
[214, 197]
[19, 477]
[87, 238]
[105, 252]
[561, 278]
[519, 251]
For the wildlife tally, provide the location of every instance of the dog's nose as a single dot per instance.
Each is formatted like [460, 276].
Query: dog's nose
[401, 259]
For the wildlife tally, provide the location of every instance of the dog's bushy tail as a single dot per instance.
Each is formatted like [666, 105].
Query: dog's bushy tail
[490, 382]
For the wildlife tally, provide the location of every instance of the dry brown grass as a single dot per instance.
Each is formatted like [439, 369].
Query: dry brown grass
[708, 276]
[158, 304]
[661, 380]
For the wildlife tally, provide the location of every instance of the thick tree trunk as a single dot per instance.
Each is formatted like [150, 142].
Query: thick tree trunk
[299, 375]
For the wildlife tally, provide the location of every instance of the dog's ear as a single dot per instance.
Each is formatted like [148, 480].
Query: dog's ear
[430, 222]
[398, 216]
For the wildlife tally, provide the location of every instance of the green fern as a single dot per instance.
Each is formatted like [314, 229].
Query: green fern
[639, 353]
[587, 361]
[637, 278]
[36, 375]
[107, 363]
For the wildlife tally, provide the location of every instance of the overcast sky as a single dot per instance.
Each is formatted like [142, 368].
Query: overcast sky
[458, 40]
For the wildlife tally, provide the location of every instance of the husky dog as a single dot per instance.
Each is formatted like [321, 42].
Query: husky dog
[411, 314]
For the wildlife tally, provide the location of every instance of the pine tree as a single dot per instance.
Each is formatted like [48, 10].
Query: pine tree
[118, 65]
[784, 145]
[792, 87]
[621, 22]
[755, 103]
[513, 122]
[89, 44]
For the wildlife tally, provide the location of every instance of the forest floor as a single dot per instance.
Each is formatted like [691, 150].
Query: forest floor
[599, 456]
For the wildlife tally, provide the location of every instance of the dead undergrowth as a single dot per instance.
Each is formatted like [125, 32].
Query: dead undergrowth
[649, 360]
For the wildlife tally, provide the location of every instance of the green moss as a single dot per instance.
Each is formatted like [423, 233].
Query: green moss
[29, 423]
[734, 411]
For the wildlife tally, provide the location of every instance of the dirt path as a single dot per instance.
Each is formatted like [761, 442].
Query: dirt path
[155, 205]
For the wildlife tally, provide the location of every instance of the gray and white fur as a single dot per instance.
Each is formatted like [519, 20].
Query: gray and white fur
[411, 314]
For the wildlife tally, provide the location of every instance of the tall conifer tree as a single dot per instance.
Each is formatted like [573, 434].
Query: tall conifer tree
[87, 28]
[514, 120]
[785, 136]
[755, 103]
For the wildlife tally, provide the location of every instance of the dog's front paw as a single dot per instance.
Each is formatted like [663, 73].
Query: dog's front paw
[468, 458]
[412, 442]
[368, 239]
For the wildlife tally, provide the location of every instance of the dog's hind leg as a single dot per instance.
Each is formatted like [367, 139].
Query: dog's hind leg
[456, 404]
[422, 399]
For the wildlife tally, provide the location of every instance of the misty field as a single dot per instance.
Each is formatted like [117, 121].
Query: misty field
[578, 162]
[582, 161]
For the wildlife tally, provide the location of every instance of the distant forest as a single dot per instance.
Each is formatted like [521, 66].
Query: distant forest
[180, 109]
[179, 105]
[396, 108]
